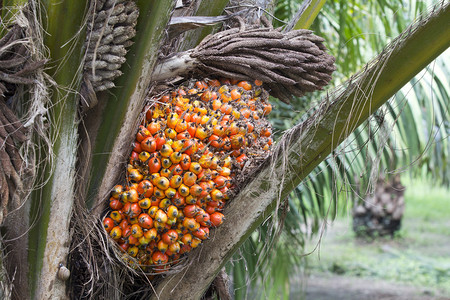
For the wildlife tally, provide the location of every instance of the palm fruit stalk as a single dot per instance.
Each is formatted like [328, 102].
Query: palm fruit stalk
[195, 145]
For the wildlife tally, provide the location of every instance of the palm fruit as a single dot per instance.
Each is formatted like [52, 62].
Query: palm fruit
[189, 155]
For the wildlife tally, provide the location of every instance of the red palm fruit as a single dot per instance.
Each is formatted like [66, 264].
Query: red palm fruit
[220, 181]
[226, 108]
[176, 169]
[203, 218]
[213, 203]
[145, 188]
[191, 210]
[185, 162]
[191, 129]
[170, 237]
[216, 142]
[182, 136]
[155, 201]
[195, 190]
[160, 258]
[126, 231]
[115, 204]
[133, 241]
[178, 201]
[189, 178]
[145, 221]
[142, 133]
[151, 234]
[132, 209]
[160, 140]
[206, 189]
[108, 224]
[137, 147]
[216, 218]
[201, 233]
[235, 94]
[241, 159]
[154, 127]
[210, 210]
[148, 144]
[124, 247]
[154, 165]
[116, 233]
[185, 248]
[124, 224]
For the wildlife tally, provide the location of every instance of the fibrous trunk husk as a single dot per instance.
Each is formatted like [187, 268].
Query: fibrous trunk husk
[16, 66]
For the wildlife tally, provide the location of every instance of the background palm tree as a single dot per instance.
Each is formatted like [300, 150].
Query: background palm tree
[87, 156]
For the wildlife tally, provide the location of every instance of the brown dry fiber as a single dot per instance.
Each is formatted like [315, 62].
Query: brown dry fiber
[289, 64]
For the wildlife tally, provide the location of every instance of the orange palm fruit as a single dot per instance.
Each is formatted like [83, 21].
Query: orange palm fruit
[136, 231]
[116, 233]
[161, 216]
[189, 178]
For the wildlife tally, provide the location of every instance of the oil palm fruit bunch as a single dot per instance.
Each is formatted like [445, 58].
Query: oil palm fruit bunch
[191, 149]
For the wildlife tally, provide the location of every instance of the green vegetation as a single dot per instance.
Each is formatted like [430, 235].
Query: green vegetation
[418, 255]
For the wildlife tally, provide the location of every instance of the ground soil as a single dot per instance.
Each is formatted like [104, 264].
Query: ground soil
[337, 287]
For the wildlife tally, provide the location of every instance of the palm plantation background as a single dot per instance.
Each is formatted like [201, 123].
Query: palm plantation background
[82, 160]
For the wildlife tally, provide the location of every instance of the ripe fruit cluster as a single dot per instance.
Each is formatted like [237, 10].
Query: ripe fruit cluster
[188, 150]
